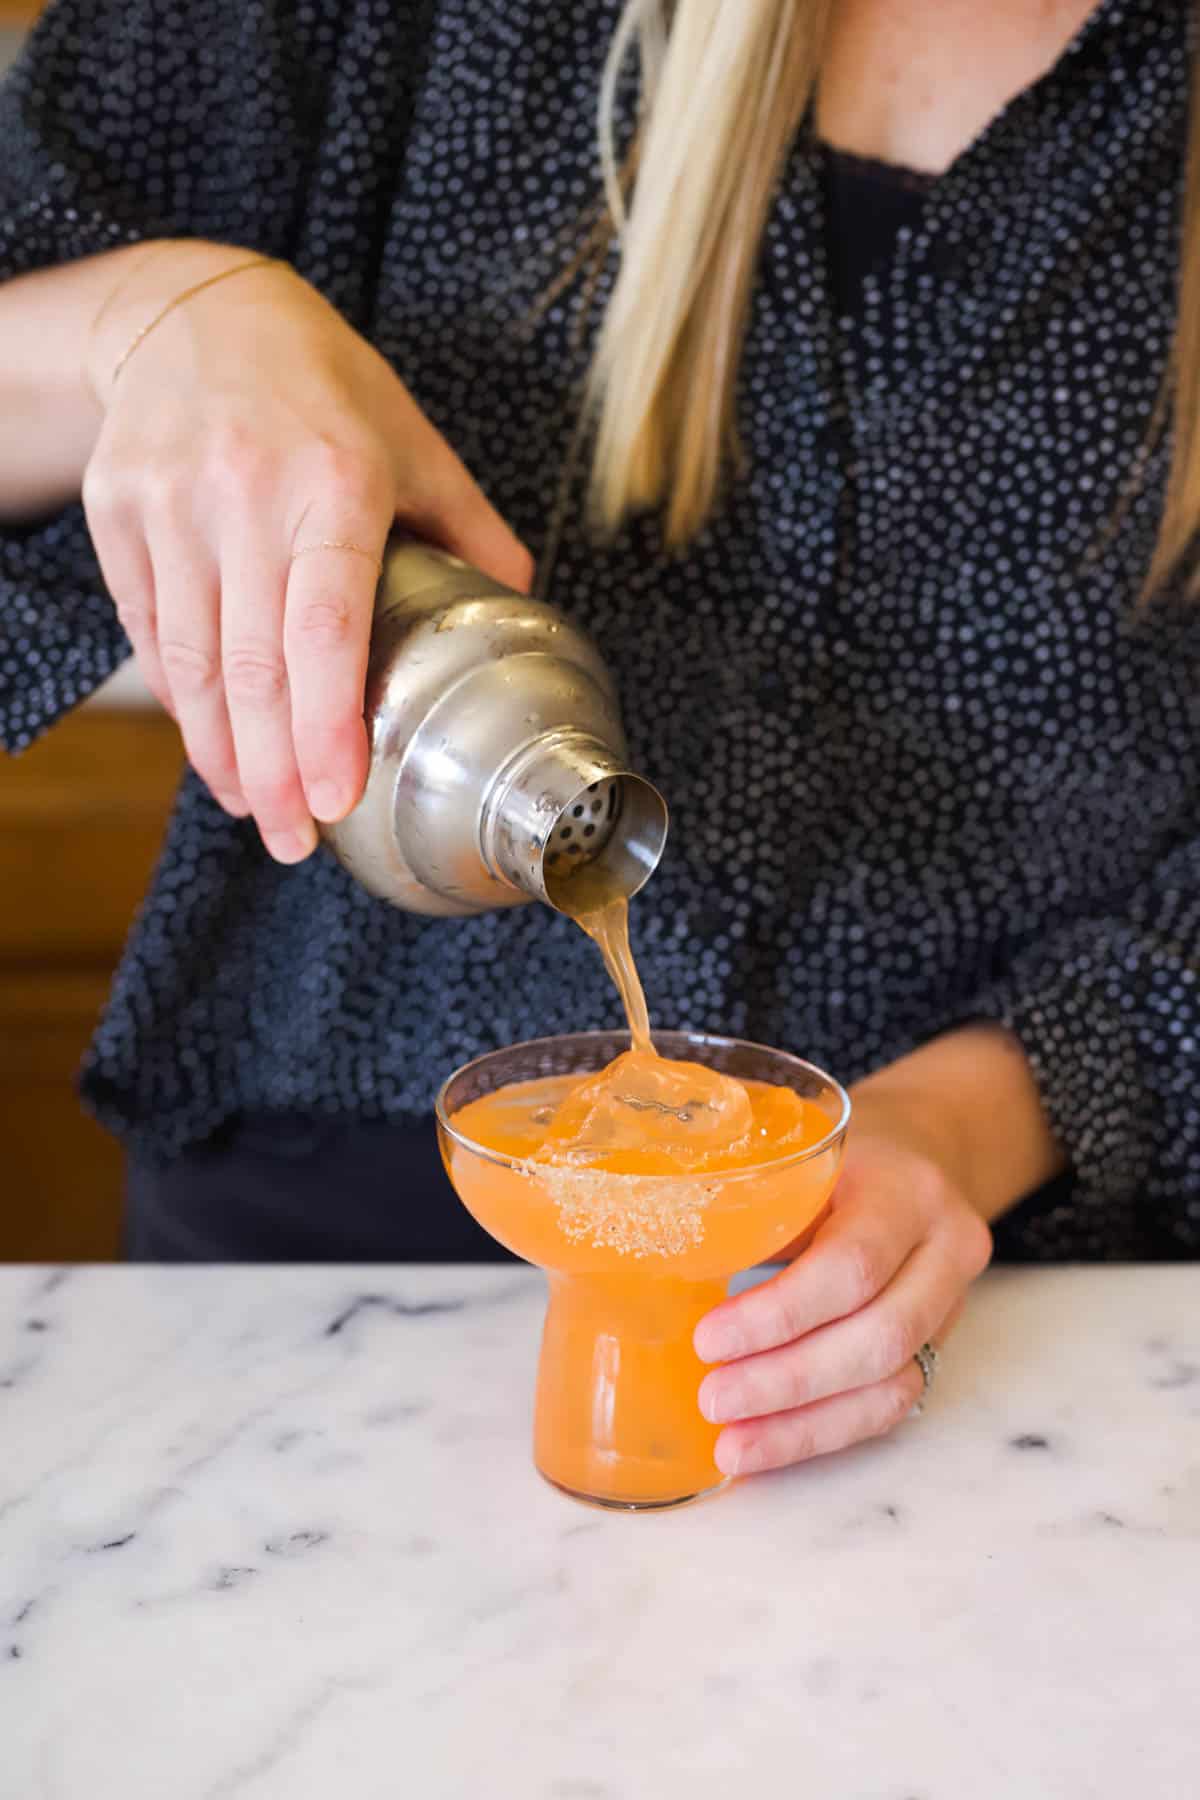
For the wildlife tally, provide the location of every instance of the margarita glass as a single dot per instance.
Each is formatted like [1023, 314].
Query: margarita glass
[634, 1261]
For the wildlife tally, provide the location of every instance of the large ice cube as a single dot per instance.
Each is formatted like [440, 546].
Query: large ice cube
[679, 1113]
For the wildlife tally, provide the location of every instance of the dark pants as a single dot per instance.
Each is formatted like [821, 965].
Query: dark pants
[283, 1188]
[277, 1187]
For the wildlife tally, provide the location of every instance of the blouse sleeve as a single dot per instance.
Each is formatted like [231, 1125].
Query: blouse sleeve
[1108, 1012]
[130, 119]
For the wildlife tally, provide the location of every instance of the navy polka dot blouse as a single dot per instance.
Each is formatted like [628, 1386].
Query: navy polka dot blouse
[925, 761]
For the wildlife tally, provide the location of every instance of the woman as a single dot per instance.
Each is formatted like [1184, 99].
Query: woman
[875, 373]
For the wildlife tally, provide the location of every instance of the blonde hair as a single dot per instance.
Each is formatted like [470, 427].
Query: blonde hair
[724, 85]
[1181, 394]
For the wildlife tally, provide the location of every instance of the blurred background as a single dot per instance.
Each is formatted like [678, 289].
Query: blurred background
[81, 818]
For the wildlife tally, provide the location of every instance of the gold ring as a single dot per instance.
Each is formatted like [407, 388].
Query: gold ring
[339, 544]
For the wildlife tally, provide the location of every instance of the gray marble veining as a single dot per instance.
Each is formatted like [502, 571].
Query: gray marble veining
[273, 1534]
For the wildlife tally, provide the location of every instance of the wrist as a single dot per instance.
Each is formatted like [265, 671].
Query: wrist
[968, 1101]
[891, 1104]
[157, 274]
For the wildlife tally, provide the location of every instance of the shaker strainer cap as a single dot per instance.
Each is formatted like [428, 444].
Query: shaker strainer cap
[574, 827]
[584, 828]
[608, 842]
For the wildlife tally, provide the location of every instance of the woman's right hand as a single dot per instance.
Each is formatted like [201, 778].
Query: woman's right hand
[250, 424]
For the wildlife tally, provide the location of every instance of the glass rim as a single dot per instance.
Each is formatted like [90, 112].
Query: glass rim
[503, 1160]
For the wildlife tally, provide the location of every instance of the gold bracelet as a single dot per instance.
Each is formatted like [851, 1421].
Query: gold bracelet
[86, 369]
[119, 287]
[253, 262]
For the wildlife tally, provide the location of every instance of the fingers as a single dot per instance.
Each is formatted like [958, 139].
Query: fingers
[187, 584]
[441, 501]
[114, 522]
[951, 1320]
[196, 517]
[327, 625]
[327, 630]
[831, 1424]
[818, 1430]
[481, 537]
[869, 1346]
[852, 1258]
[257, 694]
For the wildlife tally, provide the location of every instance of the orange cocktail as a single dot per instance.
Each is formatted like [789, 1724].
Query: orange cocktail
[636, 1253]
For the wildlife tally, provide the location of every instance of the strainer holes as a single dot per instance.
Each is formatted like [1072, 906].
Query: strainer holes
[574, 849]
[565, 832]
[589, 831]
[577, 812]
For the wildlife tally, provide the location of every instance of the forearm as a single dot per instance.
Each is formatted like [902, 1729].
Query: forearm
[969, 1098]
[48, 387]
[51, 417]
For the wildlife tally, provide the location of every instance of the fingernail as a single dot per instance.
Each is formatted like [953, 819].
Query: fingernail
[328, 801]
[738, 1459]
[726, 1457]
[291, 846]
[718, 1343]
[714, 1403]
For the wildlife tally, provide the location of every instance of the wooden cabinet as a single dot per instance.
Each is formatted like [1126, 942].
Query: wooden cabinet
[81, 820]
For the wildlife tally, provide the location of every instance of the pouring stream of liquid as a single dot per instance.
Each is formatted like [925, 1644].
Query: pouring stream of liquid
[608, 927]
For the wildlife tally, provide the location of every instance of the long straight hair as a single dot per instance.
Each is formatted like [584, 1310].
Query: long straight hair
[724, 85]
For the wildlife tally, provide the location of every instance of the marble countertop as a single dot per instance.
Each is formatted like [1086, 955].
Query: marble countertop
[275, 1534]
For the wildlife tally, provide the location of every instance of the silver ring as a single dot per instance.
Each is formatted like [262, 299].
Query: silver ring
[927, 1359]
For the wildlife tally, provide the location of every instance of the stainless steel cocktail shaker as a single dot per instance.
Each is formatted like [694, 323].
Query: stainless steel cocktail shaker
[498, 769]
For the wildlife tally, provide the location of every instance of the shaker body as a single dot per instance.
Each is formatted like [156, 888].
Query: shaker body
[495, 736]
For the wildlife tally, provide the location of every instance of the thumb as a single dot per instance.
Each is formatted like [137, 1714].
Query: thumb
[446, 505]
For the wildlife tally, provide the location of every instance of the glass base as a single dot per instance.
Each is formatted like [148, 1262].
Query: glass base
[618, 1416]
[636, 1506]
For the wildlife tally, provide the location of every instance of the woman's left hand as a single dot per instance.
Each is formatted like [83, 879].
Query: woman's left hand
[822, 1355]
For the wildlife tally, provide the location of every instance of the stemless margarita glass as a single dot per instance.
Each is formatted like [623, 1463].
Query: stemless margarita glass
[633, 1263]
